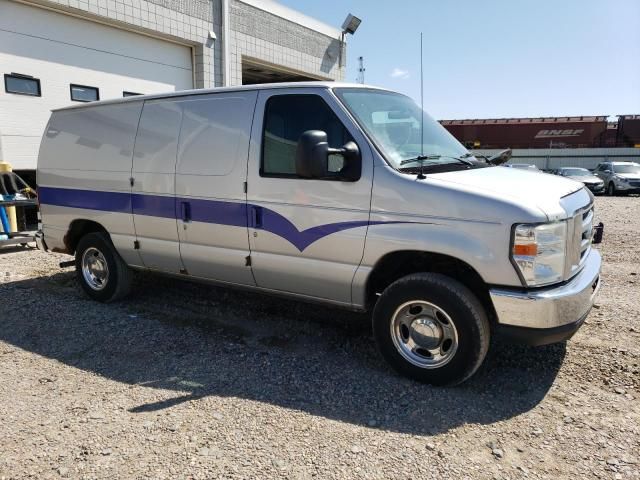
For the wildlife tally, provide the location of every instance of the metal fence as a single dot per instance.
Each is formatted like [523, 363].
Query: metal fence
[552, 158]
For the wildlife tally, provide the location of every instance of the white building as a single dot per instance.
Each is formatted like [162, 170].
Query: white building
[54, 52]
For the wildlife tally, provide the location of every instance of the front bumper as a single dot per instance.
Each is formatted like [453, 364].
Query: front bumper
[551, 314]
[631, 186]
[595, 187]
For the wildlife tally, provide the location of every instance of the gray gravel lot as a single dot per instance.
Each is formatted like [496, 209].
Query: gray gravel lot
[189, 381]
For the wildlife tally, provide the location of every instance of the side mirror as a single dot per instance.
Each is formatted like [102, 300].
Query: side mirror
[313, 153]
[607, 171]
[500, 158]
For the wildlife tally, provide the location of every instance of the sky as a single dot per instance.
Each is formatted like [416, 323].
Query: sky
[497, 58]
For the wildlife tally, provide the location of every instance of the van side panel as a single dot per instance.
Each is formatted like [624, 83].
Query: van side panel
[210, 175]
[310, 234]
[154, 163]
[86, 152]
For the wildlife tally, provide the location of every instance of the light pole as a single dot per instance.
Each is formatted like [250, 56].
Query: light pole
[350, 25]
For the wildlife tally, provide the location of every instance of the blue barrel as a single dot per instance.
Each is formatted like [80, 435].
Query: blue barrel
[5, 223]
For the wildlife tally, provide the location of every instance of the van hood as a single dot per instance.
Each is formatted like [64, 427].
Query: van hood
[526, 188]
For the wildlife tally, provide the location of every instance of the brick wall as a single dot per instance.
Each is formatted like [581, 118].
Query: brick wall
[254, 33]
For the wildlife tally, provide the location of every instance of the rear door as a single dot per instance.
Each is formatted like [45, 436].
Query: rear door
[210, 185]
[153, 189]
[307, 235]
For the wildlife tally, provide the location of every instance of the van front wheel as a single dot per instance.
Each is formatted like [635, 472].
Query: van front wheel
[101, 272]
[431, 328]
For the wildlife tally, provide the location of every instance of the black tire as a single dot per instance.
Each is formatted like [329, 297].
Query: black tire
[118, 281]
[465, 312]
[611, 189]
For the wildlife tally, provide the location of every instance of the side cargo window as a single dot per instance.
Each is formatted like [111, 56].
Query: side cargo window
[286, 118]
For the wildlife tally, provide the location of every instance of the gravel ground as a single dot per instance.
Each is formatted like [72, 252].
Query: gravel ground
[190, 381]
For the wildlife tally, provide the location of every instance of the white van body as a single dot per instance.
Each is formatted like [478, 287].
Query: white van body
[184, 184]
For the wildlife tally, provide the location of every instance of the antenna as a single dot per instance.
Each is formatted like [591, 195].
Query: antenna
[361, 70]
[421, 100]
[421, 175]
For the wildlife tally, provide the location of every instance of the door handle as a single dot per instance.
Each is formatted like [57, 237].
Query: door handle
[185, 208]
[256, 217]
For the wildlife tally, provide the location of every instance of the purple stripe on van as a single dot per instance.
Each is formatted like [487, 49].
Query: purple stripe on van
[218, 212]
[277, 224]
[153, 205]
[206, 211]
[119, 202]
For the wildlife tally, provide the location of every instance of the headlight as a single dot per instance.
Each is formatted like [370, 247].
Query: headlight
[539, 252]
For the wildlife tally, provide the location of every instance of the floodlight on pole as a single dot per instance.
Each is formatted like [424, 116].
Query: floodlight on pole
[350, 25]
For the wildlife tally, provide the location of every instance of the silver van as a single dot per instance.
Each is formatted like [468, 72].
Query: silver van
[334, 193]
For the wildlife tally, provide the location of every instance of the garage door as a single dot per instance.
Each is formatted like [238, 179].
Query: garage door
[61, 50]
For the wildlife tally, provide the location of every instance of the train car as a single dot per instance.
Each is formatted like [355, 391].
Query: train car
[542, 132]
[628, 134]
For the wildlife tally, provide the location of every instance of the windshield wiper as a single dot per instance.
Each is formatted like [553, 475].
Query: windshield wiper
[422, 158]
[463, 158]
[432, 163]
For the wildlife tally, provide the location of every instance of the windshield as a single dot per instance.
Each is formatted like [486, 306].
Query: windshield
[392, 121]
[575, 172]
[630, 168]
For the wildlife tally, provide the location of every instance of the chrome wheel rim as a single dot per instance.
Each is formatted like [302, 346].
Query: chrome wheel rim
[95, 270]
[424, 334]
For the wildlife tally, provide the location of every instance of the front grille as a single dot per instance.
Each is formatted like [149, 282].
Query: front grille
[580, 235]
[635, 183]
[587, 234]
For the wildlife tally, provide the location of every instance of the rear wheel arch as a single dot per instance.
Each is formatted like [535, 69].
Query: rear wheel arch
[78, 229]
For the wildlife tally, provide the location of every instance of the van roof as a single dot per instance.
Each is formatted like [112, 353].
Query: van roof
[203, 91]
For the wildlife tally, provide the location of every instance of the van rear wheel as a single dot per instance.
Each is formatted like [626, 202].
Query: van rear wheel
[100, 270]
[431, 328]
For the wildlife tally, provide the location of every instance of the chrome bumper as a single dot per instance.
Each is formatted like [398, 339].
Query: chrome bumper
[552, 307]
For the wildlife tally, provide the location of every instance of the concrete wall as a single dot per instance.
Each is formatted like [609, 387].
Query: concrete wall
[60, 49]
[183, 21]
[267, 37]
[261, 30]
[551, 158]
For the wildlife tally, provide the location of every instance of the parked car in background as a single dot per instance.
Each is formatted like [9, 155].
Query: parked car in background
[619, 177]
[591, 181]
[524, 166]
